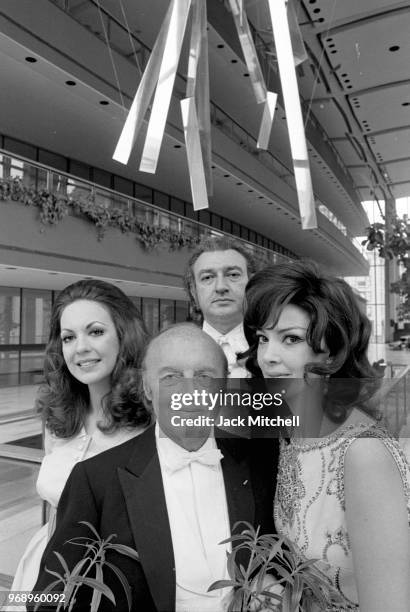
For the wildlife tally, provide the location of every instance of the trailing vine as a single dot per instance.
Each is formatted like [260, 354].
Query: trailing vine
[54, 206]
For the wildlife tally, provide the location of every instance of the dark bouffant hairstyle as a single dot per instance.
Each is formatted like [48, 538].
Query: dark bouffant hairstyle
[335, 318]
[63, 401]
[207, 245]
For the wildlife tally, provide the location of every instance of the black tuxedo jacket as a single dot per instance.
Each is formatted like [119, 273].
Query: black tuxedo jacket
[120, 492]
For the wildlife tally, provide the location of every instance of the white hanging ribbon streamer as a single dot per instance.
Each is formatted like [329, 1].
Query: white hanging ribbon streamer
[143, 96]
[267, 120]
[298, 45]
[255, 72]
[248, 50]
[194, 154]
[165, 85]
[293, 112]
[198, 86]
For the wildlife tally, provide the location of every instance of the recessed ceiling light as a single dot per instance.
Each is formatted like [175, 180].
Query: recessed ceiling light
[394, 48]
[31, 60]
[220, 46]
[177, 146]
[71, 83]
[104, 102]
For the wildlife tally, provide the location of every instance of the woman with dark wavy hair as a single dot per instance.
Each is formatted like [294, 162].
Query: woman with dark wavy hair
[343, 489]
[90, 400]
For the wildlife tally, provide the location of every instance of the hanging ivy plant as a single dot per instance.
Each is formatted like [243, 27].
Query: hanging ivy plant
[55, 206]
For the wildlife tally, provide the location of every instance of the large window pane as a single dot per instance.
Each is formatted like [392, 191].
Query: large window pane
[52, 159]
[9, 368]
[150, 312]
[181, 311]
[32, 364]
[204, 217]
[189, 211]
[123, 185]
[226, 225]
[79, 169]
[136, 300]
[177, 206]
[144, 193]
[36, 316]
[101, 177]
[20, 148]
[160, 199]
[9, 315]
[166, 313]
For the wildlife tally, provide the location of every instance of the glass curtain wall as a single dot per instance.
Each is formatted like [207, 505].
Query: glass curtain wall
[24, 327]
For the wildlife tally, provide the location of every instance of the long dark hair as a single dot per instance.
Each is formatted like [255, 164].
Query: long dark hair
[63, 401]
[335, 318]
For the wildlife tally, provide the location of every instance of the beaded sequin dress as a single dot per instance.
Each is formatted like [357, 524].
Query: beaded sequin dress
[310, 502]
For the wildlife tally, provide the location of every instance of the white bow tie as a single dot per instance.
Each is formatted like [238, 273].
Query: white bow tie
[227, 348]
[210, 457]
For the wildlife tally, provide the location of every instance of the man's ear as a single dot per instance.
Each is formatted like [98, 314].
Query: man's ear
[146, 387]
[194, 296]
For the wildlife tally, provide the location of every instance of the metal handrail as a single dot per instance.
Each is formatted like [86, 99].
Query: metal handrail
[21, 453]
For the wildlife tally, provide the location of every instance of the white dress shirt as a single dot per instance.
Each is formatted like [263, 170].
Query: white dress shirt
[198, 518]
[231, 343]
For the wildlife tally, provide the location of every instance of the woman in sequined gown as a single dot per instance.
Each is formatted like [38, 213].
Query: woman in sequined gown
[343, 492]
[89, 402]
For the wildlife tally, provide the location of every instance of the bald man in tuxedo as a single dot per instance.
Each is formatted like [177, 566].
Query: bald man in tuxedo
[169, 494]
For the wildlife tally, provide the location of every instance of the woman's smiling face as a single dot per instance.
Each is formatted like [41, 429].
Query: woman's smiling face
[89, 341]
[283, 350]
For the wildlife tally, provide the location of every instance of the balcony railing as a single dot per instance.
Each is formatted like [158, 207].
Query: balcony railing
[40, 177]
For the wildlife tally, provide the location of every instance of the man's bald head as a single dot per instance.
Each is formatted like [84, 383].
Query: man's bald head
[187, 334]
[183, 362]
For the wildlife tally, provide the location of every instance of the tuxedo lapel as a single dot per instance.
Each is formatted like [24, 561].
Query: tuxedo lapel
[141, 482]
[237, 478]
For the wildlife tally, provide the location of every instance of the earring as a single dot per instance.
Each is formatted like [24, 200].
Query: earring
[328, 361]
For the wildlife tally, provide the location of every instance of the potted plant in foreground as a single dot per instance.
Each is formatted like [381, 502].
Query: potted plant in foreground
[276, 578]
